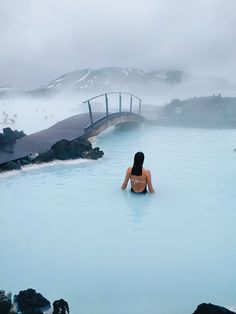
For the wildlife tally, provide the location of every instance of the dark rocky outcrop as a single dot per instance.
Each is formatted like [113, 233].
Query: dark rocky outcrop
[8, 136]
[10, 165]
[61, 150]
[5, 302]
[30, 302]
[208, 308]
[64, 149]
[31, 311]
[60, 307]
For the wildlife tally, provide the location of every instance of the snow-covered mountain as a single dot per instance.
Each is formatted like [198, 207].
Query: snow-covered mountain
[93, 82]
[123, 79]
[111, 78]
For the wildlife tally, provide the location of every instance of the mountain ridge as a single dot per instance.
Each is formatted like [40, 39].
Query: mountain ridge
[129, 79]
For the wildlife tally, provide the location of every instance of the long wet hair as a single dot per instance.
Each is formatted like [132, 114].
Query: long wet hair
[138, 164]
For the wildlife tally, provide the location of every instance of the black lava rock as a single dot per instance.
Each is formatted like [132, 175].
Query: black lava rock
[30, 302]
[9, 136]
[208, 308]
[10, 165]
[61, 150]
[60, 307]
[64, 150]
[44, 157]
[5, 302]
[35, 311]
[25, 161]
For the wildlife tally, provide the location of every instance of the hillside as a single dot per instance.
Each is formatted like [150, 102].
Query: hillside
[89, 81]
[213, 111]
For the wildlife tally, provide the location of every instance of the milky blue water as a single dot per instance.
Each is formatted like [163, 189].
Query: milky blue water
[69, 231]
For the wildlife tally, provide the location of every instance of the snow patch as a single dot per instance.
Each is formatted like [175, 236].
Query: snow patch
[58, 80]
[125, 72]
[83, 77]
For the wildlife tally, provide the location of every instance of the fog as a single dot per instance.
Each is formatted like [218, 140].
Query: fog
[66, 225]
[41, 40]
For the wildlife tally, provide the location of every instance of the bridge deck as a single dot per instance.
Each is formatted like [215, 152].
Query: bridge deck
[41, 141]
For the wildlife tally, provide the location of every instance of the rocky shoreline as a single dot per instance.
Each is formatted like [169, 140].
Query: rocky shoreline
[61, 150]
[31, 302]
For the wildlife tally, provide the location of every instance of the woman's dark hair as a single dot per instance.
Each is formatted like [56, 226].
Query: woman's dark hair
[138, 164]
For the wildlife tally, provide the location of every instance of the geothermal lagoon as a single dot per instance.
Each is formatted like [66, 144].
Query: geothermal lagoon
[68, 231]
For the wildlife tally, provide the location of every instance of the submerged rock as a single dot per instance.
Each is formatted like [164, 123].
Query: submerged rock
[208, 308]
[30, 302]
[60, 307]
[5, 302]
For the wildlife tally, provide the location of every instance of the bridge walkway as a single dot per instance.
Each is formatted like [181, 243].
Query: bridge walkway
[81, 125]
[41, 141]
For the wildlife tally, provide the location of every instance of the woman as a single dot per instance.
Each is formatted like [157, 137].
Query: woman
[139, 177]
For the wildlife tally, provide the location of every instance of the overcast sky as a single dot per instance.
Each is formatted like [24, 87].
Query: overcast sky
[42, 39]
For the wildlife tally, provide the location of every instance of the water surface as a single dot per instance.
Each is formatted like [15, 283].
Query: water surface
[70, 232]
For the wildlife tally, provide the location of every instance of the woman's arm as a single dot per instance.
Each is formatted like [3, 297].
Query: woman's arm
[149, 182]
[126, 180]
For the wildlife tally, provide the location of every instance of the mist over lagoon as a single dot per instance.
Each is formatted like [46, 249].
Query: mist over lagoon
[67, 229]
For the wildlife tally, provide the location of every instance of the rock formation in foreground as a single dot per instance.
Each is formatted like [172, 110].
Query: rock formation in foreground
[61, 150]
[5, 302]
[208, 308]
[30, 302]
[60, 307]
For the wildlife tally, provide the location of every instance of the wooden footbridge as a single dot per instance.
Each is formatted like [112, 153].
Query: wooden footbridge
[83, 125]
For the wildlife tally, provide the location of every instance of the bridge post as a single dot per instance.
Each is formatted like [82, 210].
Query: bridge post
[90, 112]
[139, 108]
[131, 103]
[120, 102]
[106, 98]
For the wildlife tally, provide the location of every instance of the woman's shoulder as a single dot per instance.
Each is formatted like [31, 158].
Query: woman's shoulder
[146, 171]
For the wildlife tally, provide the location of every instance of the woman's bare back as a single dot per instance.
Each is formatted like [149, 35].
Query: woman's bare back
[138, 183]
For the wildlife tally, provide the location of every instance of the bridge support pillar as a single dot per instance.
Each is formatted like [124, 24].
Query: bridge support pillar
[90, 112]
[139, 107]
[106, 99]
[131, 103]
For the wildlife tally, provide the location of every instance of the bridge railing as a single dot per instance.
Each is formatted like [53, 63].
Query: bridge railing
[106, 99]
